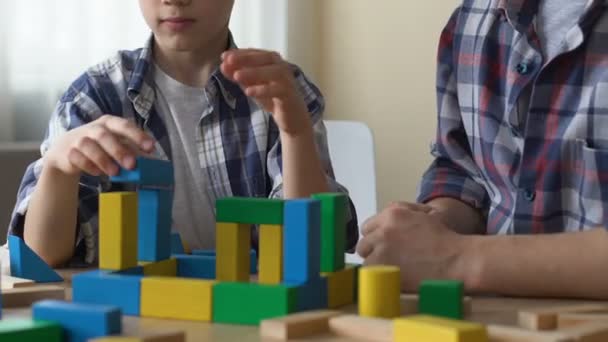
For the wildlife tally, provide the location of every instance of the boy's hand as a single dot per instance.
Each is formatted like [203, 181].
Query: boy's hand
[97, 147]
[266, 77]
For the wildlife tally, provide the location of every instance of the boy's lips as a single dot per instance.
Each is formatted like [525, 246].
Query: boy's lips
[177, 23]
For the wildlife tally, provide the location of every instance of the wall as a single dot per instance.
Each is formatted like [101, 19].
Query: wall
[376, 64]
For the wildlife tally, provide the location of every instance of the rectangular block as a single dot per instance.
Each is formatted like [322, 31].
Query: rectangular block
[298, 325]
[271, 254]
[154, 228]
[312, 295]
[301, 241]
[24, 297]
[177, 245]
[23, 330]
[233, 244]
[362, 328]
[177, 336]
[196, 266]
[442, 298]
[117, 230]
[8, 282]
[147, 172]
[250, 210]
[340, 287]
[165, 268]
[174, 298]
[99, 287]
[428, 328]
[250, 303]
[253, 259]
[333, 230]
[80, 322]
[547, 318]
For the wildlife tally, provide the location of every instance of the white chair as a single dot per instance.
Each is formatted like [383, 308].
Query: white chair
[351, 148]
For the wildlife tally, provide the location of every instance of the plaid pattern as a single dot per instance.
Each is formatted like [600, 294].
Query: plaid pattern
[239, 150]
[521, 138]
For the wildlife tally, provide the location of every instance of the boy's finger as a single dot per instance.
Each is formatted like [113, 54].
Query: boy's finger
[365, 247]
[369, 225]
[256, 59]
[130, 131]
[117, 149]
[98, 156]
[262, 75]
[81, 162]
[266, 91]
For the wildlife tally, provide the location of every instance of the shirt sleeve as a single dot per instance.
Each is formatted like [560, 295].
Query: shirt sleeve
[454, 172]
[316, 107]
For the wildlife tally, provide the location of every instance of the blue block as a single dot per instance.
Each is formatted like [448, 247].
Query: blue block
[80, 322]
[177, 247]
[154, 224]
[147, 172]
[253, 258]
[302, 241]
[102, 287]
[196, 266]
[135, 271]
[312, 295]
[28, 265]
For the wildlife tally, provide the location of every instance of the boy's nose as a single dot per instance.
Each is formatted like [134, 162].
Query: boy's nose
[177, 2]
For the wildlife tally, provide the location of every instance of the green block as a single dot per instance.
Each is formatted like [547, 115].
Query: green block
[333, 230]
[249, 210]
[441, 298]
[30, 331]
[250, 303]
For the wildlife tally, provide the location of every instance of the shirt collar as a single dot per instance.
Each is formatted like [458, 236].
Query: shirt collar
[521, 13]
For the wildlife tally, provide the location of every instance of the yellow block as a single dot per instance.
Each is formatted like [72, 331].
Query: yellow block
[428, 328]
[117, 230]
[233, 242]
[271, 255]
[165, 268]
[177, 298]
[379, 291]
[340, 287]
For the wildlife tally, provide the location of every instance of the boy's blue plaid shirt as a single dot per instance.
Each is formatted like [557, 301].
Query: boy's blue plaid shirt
[531, 167]
[239, 149]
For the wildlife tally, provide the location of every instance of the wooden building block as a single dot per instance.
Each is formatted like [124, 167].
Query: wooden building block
[174, 298]
[362, 328]
[154, 224]
[232, 243]
[30, 331]
[312, 295]
[177, 245]
[249, 210]
[26, 264]
[178, 336]
[302, 241]
[196, 266]
[9, 282]
[102, 287]
[80, 322]
[271, 254]
[297, 325]
[26, 296]
[379, 291]
[429, 328]
[442, 298]
[117, 230]
[546, 318]
[253, 259]
[333, 230]
[165, 268]
[340, 287]
[587, 332]
[409, 305]
[566, 320]
[147, 171]
[251, 303]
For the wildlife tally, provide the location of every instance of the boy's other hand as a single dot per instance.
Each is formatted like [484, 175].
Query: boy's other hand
[99, 147]
[269, 79]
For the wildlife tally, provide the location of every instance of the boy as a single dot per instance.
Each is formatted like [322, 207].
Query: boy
[521, 150]
[190, 97]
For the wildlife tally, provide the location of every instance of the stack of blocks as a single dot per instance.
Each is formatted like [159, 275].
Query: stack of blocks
[145, 272]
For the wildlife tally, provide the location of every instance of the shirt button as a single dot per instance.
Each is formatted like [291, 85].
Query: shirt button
[523, 68]
[530, 195]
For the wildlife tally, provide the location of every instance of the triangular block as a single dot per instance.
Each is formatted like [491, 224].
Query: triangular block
[27, 264]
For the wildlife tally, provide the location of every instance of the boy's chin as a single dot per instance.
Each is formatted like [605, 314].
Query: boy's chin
[180, 45]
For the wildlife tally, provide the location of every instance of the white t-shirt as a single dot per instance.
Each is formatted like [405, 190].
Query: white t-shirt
[555, 18]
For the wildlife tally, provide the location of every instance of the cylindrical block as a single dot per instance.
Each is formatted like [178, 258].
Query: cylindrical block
[379, 291]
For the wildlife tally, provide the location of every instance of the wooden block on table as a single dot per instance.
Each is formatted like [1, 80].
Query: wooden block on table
[301, 241]
[196, 266]
[297, 325]
[233, 245]
[312, 295]
[118, 230]
[442, 298]
[587, 332]
[80, 322]
[174, 298]
[9, 282]
[165, 268]
[154, 224]
[362, 328]
[409, 305]
[177, 245]
[379, 291]
[333, 230]
[26, 264]
[253, 259]
[29, 331]
[26, 296]
[546, 318]
[147, 337]
[429, 328]
[566, 320]
[102, 287]
[340, 287]
[271, 254]
[147, 171]
[249, 210]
